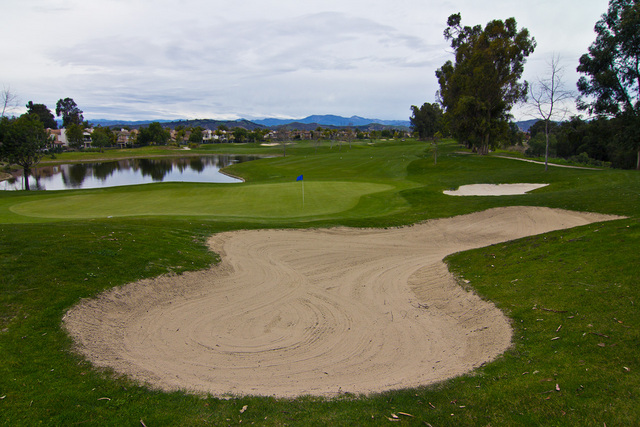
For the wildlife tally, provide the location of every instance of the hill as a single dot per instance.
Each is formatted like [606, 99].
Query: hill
[332, 120]
[526, 124]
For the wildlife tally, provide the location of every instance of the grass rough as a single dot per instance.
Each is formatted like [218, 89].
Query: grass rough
[572, 295]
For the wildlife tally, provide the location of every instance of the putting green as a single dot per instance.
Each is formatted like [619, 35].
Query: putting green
[282, 200]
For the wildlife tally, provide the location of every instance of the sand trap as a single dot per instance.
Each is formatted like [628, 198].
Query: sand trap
[493, 189]
[320, 312]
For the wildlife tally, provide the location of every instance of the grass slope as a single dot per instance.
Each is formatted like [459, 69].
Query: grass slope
[571, 294]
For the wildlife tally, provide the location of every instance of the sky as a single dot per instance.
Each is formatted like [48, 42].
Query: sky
[230, 59]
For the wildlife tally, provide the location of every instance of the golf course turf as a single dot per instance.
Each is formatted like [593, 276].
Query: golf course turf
[571, 295]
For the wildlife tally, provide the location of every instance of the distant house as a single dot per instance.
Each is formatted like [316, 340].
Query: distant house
[124, 138]
[208, 135]
[86, 137]
[59, 137]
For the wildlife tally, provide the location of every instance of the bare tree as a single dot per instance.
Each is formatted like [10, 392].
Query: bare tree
[548, 99]
[9, 100]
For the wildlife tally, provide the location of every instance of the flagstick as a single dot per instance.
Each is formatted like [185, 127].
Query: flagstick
[303, 193]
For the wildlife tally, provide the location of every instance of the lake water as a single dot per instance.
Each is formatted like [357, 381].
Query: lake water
[128, 172]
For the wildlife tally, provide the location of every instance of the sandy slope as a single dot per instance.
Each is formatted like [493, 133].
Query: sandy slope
[290, 312]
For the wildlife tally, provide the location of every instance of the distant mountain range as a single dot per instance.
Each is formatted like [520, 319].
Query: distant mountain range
[318, 120]
[331, 120]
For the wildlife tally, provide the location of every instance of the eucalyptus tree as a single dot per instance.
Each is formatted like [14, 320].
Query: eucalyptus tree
[480, 88]
[69, 111]
[611, 84]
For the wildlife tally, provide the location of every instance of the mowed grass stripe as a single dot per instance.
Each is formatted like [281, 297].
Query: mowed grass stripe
[281, 200]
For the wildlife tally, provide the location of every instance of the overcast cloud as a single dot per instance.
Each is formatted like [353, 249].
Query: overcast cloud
[144, 59]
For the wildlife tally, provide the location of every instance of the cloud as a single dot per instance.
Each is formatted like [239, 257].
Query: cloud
[326, 59]
[217, 58]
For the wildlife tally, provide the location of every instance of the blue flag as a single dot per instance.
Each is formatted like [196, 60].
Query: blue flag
[299, 178]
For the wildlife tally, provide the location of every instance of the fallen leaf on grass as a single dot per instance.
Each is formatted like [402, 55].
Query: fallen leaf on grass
[405, 414]
[601, 344]
[553, 311]
[557, 387]
[244, 408]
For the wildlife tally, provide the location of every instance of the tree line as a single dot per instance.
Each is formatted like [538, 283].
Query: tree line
[480, 87]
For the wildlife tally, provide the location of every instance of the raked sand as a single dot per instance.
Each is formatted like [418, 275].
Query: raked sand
[320, 312]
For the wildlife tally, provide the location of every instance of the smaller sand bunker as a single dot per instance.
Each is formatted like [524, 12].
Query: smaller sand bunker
[312, 312]
[493, 189]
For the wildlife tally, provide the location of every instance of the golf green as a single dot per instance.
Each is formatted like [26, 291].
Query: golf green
[280, 200]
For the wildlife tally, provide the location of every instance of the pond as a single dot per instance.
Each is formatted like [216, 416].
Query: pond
[128, 172]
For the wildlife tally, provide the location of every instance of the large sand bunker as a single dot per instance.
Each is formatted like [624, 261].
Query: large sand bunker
[320, 312]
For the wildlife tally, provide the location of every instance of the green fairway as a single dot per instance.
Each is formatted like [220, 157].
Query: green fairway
[571, 295]
[272, 201]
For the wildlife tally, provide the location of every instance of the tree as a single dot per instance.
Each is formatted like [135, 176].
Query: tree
[240, 134]
[539, 127]
[548, 97]
[426, 120]
[196, 135]
[46, 116]
[479, 90]
[436, 137]
[153, 134]
[102, 137]
[9, 100]
[611, 85]
[69, 111]
[75, 135]
[514, 136]
[22, 142]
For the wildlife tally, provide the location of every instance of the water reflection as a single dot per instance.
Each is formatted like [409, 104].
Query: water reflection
[128, 172]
